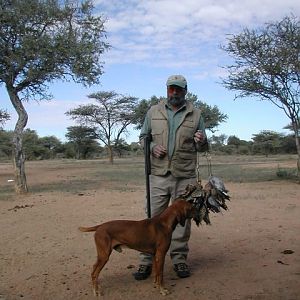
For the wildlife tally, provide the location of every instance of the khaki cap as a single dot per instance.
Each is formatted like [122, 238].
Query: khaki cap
[178, 80]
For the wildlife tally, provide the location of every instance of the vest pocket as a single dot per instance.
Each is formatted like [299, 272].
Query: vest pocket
[157, 136]
[184, 164]
[187, 143]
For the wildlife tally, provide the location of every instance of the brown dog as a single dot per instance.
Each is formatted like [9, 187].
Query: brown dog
[151, 236]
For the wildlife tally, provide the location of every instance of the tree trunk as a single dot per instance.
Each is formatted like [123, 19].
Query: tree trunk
[18, 154]
[110, 154]
[295, 125]
[298, 152]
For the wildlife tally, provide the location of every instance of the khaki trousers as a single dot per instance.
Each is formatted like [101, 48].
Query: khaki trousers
[163, 191]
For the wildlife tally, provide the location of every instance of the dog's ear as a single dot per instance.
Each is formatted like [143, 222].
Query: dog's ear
[181, 218]
[191, 201]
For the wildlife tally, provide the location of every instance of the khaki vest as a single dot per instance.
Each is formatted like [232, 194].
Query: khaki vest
[183, 161]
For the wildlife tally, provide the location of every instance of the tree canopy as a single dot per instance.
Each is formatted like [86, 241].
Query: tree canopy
[83, 138]
[45, 40]
[4, 116]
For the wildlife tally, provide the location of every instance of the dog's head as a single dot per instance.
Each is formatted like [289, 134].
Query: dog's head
[187, 210]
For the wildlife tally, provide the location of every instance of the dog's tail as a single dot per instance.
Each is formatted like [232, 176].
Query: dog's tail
[88, 229]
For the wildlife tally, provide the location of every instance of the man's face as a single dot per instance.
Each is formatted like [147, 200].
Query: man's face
[176, 95]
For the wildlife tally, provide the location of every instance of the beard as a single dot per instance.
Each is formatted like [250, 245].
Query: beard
[176, 100]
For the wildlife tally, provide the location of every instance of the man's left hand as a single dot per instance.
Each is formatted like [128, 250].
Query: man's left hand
[199, 136]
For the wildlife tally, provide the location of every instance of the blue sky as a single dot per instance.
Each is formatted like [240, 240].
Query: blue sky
[156, 38]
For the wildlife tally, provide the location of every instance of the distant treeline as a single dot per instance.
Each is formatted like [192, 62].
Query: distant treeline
[87, 147]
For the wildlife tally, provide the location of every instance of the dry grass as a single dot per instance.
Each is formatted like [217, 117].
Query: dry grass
[128, 173]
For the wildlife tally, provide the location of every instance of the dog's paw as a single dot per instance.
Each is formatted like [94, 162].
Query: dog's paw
[163, 291]
[97, 293]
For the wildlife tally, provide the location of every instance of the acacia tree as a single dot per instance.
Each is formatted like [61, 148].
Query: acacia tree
[266, 65]
[218, 140]
[212, 116]
[267, 141]
[41, 41]
[83, 139]
[110, 117]
[234, 141]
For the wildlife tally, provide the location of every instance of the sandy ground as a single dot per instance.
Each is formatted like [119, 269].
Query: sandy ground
[251, 251]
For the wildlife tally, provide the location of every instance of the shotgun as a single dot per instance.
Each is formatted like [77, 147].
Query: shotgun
[147, 141]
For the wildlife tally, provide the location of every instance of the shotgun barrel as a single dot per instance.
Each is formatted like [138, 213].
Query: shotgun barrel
[147, 141]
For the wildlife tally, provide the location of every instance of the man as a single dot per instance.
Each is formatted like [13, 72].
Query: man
[177, 132]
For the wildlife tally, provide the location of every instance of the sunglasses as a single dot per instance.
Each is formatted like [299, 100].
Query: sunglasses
[175, 88]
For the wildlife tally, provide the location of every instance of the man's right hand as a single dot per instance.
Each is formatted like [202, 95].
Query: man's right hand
[159, 151]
